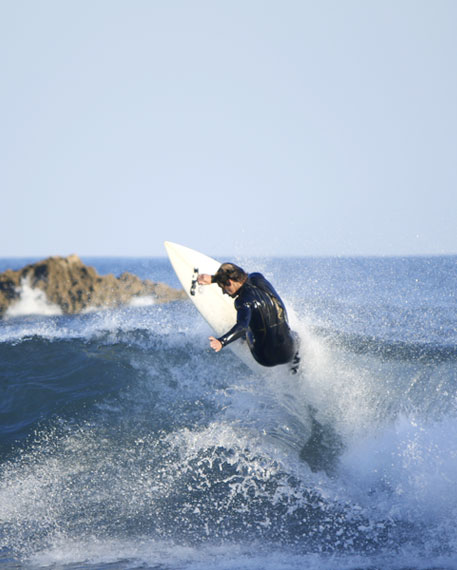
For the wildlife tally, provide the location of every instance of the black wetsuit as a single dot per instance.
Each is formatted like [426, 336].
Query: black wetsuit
[262, 320]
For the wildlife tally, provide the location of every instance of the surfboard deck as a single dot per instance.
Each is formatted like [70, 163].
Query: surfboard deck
[216, 308]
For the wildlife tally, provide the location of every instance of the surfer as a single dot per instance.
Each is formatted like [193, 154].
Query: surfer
[261, 316]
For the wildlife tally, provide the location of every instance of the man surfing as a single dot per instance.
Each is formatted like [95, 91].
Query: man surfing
[261, 316]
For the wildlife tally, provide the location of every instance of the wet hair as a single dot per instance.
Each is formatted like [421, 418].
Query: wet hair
[229, 271]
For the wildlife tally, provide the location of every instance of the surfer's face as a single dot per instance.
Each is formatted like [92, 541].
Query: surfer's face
[231, 287]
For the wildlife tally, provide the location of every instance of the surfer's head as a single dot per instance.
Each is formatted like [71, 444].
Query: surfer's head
[230, 277]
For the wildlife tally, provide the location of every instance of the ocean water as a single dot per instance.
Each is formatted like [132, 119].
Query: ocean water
[126, 443]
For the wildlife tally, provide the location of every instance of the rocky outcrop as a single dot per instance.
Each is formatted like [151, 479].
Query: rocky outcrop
[74, 287]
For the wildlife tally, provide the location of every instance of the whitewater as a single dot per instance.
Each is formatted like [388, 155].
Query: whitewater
[125, 442]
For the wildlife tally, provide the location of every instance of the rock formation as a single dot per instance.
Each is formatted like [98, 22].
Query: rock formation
[76, 287]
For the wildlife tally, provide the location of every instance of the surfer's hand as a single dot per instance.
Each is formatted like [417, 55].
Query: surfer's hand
[204, 279]
[215, 344]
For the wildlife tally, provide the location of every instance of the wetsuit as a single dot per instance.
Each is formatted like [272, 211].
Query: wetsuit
[262, 320]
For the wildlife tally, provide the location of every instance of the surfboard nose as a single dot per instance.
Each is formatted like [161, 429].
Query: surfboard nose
[169, 246]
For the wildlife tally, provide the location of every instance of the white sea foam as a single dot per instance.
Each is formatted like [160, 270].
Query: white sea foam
[32, 302]
[145, 301]
[157, 318]
[413, 464]
[154, 554]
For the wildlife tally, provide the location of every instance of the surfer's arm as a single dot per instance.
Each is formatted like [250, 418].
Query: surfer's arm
[242, 323]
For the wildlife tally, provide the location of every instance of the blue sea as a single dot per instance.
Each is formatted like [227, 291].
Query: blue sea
[125, 442]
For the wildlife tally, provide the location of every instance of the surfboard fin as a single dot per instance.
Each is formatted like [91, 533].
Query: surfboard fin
[295, 363]
[193, 285]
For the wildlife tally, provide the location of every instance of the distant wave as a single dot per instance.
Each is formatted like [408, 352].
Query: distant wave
[145, 301]
[396, 350]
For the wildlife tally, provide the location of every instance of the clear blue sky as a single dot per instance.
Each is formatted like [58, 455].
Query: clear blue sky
[238, 127]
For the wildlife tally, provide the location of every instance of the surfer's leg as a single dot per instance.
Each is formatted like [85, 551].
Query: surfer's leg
[286, 348]
[279, 347]
[260, 355]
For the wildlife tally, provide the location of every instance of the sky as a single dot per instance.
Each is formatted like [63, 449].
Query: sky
[244, 127]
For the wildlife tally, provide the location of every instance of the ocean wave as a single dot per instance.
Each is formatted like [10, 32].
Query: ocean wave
[127, 441]
[389, 349]
[162, 318]
[408, 469]
[144, 301]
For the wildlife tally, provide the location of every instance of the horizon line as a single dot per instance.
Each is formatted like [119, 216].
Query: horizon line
[260, 256]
